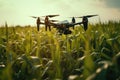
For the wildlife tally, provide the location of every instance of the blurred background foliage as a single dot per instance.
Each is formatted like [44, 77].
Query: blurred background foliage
[26, 54]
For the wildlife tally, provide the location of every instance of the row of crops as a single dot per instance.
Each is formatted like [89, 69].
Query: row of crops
[26, 54]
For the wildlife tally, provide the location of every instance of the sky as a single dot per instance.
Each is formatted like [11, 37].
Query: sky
[18, 12]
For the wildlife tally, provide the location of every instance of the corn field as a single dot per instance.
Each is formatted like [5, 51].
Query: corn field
[26, 54]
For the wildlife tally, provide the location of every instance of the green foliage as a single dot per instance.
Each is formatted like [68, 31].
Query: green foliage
[26, 54]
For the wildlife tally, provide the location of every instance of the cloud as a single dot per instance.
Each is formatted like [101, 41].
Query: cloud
[112, 3]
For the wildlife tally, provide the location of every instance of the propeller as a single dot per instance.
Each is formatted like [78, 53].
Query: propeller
[85, 20]
[51, 16]
[34, 17]
[88, 16]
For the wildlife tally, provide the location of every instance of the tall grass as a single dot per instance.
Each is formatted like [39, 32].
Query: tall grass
[26, 54]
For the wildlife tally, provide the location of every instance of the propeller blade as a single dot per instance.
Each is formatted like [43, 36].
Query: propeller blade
[50, 16]
[88, 16]
[33, 17]
[37, 17]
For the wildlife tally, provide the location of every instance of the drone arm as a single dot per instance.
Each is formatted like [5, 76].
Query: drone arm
[80, 23]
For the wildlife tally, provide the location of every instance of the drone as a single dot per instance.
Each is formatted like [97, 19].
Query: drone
[63, 26]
